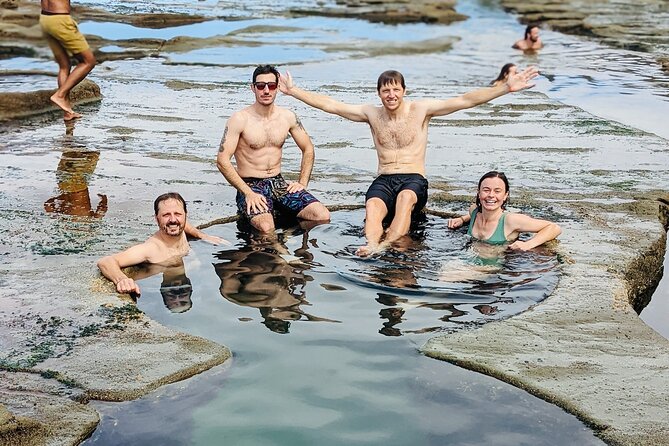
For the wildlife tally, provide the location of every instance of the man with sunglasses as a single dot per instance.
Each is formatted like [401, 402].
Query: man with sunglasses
[255, 137]
[399, 130]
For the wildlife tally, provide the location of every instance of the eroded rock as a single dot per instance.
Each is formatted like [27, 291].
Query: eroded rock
[21, 104]
[402, 11]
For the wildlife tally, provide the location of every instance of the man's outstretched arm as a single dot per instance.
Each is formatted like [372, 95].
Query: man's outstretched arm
[194, 232]
[516, 82]
[355, 113]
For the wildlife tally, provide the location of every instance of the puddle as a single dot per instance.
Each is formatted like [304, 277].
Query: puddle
[321, 358]
[16, 83]
[656, 313]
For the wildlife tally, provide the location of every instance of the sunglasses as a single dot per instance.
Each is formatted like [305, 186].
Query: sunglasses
[261, 85]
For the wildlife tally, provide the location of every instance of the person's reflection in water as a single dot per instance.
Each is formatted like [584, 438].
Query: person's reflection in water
[396, 312]
[263, 275]
[176, 289]
[74, 171]
[397, 267]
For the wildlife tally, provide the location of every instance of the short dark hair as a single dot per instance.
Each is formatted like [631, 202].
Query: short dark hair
[390, 77]
[529, 28]
[492, 174]
[265, 69]
[169, 196]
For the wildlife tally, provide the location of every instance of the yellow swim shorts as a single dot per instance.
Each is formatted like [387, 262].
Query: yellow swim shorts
[61, 31]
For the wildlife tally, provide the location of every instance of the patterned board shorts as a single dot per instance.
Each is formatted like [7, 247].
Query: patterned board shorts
[279, 200]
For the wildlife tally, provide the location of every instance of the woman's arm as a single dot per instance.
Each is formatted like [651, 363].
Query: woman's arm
[544, 230]
[457, 222]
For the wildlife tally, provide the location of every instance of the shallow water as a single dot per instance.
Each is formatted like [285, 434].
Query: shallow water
[579, 136]
[319, 358]
[656, 313]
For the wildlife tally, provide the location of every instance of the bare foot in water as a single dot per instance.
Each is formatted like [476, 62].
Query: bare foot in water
[69, 116]
[368, 250]
[62, 103]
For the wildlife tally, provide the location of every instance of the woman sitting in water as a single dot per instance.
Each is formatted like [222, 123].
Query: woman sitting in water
[490, 223]
[507, 70]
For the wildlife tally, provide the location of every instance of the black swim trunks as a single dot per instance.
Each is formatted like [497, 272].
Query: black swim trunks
[279, 200]
[388, 187]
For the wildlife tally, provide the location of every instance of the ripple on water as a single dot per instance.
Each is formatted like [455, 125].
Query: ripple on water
[437, 281]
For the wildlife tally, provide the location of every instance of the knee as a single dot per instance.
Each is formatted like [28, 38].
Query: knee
[315, 212]
[88, 59]
[322, 214]
[406, 198]
[263, 225]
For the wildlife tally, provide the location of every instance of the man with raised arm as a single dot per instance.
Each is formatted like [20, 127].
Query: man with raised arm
[399, 130]
[255, 137]
[166, 247]
[65, 41]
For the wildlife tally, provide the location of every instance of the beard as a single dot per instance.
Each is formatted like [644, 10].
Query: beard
[173, 229]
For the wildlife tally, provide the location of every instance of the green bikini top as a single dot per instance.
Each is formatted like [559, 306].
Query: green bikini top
[497, 237]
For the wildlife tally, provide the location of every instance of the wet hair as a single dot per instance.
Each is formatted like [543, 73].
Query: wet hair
[492, 174]
[503, 73]
[169, 196]
[529, 28]
[265, 69]
[390, 77]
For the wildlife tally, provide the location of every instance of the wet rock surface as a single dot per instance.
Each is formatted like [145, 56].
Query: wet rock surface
[40, 410]
[584, 348]
[408, 11]
[90, 345]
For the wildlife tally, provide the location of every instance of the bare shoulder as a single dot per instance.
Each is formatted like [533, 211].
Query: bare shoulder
[153, 248]
[285, 113]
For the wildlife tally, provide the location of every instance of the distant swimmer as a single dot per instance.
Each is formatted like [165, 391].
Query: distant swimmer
[490, 223]
[507, 70]
[255, 136]
[166, 247]
[399, 129]
[65, 41]
[532, 41]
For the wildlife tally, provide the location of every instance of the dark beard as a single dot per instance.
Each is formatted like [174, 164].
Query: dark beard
[166, 230]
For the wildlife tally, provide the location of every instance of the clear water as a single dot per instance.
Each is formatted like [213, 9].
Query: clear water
[593, 126]
[324, 356]
[656, 313]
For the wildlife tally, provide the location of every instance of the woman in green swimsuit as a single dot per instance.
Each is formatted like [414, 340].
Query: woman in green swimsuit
[490, 223]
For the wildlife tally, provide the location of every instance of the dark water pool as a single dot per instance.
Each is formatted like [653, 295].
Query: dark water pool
[325, 344]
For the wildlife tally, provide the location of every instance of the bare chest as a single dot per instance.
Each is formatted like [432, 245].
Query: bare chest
[266, 133]
[399, 133]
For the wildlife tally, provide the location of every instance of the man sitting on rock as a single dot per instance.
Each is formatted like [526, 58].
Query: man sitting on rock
[166, 247]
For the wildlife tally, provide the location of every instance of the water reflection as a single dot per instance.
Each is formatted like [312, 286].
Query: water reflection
[75, 168]
[440, 280]
[175, 288]
[264, 275]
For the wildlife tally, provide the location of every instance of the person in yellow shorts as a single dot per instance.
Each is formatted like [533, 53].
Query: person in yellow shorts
[65, 41]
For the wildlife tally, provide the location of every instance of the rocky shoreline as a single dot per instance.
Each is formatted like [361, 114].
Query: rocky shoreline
[583, 349]
[637, 26]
